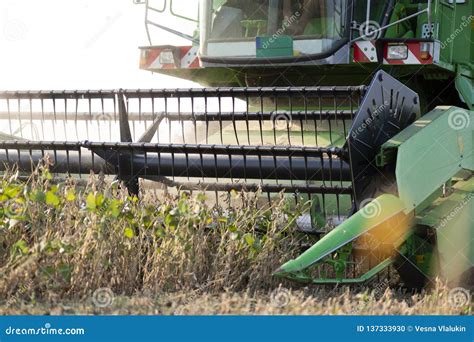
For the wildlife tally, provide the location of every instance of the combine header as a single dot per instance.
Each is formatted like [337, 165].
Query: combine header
[365, 109]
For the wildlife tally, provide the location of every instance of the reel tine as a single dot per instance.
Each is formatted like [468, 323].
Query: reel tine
[260, 122]
[80, 161]
[96, 120]
[323, 196]
[291, 168]
[194, 120]
[230, 168]
[42, 153]
[205, 116]
[340, 171]
[301, 121]
[173, 165]
[133, 185]
[220, 119]
[68, 167]
[215, 168]
[158, 156]
[9, 116]
[330, 167]
[274, 118]
[170, 123]
[247, 109]
[19, 118]
[322, 170]
[245, 165]
[76, 110]
[351, 107]
[306, 170]
[316, 120]
[89, 101]
[156, 120]
[289, 118]
[107, 117]
[146, 164]
[202, 166]
[122, 101]
[187, 162]
[338, 206]
[234, 124]
[328, 118]
[335, 106]
[140, 110]
[65, 117]
[30, 102]
[305, 105]
[181, 122]
[276, 168]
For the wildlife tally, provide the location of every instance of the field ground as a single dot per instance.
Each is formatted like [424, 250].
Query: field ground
[281, 301]
[69, 249]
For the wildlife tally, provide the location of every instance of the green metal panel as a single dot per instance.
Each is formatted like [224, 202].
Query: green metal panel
[452, 217]
[454, 30]
[268, 47]
[386, 207]
[431, 151]
[363, 278]
[465, 86]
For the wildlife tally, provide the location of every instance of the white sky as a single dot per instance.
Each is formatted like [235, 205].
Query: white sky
[75, 44]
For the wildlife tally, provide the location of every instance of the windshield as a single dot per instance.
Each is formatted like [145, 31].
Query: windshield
[247, 19]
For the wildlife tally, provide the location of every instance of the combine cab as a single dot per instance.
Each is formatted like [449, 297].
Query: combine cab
[363, 109]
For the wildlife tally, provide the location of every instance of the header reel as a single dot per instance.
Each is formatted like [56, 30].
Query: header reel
[213, 139]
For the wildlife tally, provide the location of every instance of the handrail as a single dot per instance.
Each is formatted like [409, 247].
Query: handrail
[164, 28]
[179, 15]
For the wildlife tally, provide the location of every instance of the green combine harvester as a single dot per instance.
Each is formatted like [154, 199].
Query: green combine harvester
[364, 109]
